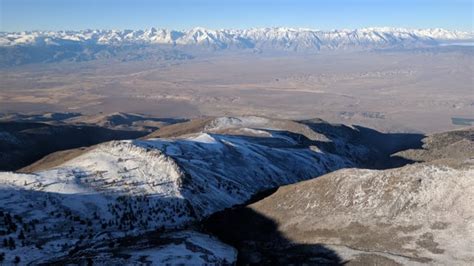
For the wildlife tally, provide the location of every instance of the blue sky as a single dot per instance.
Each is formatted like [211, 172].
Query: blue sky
[18, 15]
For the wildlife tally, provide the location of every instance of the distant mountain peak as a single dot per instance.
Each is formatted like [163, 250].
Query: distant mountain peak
[225, 38]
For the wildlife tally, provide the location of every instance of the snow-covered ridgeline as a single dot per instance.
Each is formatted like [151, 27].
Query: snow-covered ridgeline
[203, 173]
[282, 38]
[131, 187]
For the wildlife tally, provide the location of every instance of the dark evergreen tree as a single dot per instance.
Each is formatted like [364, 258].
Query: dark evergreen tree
[11, 243]
[21, 235]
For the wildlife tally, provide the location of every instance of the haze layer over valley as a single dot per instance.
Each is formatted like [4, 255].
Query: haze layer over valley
[390, 79]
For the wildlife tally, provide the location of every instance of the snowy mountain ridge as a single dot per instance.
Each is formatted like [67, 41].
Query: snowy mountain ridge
[144, 200]
[129, 187]
[275, 38]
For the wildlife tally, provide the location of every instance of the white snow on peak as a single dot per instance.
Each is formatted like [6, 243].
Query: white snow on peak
[275, 38]
[203, 138]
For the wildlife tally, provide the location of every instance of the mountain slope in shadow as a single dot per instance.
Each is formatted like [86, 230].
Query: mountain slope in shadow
[23, 143]
[259, 242]
[415, 214]
[25, 138]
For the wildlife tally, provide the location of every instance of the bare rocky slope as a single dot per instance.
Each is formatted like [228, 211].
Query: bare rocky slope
[415, 214]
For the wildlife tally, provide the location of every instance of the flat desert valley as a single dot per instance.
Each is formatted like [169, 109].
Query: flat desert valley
[417, 90]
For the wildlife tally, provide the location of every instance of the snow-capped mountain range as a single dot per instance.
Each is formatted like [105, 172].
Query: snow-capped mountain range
[276, 38]
[160, 45]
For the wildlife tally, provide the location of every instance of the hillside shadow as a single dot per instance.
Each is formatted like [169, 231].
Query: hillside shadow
[87, 234]
[357, 147]
[259, 242]
[39, 117]
[22, 143]
[382, 145]
[366, 148]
